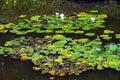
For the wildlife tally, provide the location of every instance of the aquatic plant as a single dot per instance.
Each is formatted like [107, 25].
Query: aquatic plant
[60, 55]
[51, 23]
[117, 36]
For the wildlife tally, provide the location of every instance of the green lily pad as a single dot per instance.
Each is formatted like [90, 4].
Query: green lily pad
[83, 40]
[40, 31]
[35, 17]
[89, 34]
[69, 31]
[79, 32]
[108, 31]
[106, 37]
[94, 11]
[59, 31]
[117, 36]
[60, 43]
[59, 59]
[22, 16]
[36, 68]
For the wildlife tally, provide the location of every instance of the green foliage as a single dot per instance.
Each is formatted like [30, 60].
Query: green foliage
[106, 37]
[117, 36]
[108, 31]
[89, 34]
[51, 23]
[58, 49]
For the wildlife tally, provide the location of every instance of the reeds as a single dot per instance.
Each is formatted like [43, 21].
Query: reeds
[13, 8]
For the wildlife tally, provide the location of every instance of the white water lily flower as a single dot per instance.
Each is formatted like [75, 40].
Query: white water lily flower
[62, 16]
[57, 14]
[6, 2]
[92, 19]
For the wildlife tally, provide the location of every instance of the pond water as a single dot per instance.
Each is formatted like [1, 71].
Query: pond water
[11, 69]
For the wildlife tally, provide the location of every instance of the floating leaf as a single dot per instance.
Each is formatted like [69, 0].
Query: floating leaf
[83, 40]
[60, 43]
[99, 67]
[113, 64]
[77, 48]
[35, 17]
[102, 16]
[8, 43]
[22, 16]
[52, 72]
[94, 11]
[106, 37]
[69, 31]
[117, 36]
[36, 57]
[79, 32]
[59, 59]
[84, 62]
[49, 31]
[58, 37]
[112, 47]
[108, 31]
[36, 68]
[23, 58]
[89, 34]
[59, 31]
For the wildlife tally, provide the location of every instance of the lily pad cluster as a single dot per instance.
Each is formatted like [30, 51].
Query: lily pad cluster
[52, 23]
[60, 55]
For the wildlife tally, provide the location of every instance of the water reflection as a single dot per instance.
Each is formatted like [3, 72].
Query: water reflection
[11, 69]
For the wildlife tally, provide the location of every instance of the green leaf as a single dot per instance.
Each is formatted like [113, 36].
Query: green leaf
[8, 43]
[59, 59]
[94, 11]
[108, 31]
[36, 68]
[60, 43]
[36, 56]
[83, 40]
[100, 67]
[106, 37]
[89, 34]
[35, 17]
[117, 36]
[80, 48]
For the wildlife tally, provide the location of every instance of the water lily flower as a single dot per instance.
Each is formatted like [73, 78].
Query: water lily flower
[14, 1]
[62, 16]
[7, 2]
[57, 14]
[92, 19]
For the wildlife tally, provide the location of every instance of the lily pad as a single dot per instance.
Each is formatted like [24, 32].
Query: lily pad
[79, 32]
[35, 17]
[106, 37]
[22, 16]
[117, 36]
[94, 11]
[89, 34]
[83, 40]
[59, 31]
[108, 31]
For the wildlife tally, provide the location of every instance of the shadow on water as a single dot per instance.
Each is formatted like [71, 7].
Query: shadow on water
[11, 69]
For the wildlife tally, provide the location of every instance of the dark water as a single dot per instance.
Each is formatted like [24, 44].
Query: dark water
[11, 69]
